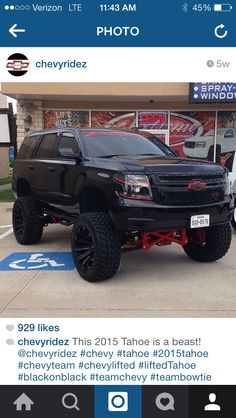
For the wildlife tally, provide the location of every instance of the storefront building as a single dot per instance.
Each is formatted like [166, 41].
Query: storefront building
[4, 137]
[196, 130]
[3, 101]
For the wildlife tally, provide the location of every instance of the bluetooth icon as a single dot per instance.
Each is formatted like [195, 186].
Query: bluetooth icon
[185, 7]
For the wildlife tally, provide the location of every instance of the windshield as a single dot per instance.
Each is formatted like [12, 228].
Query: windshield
[162, 146]
[220, 131]
[210, 133]
[108, 143]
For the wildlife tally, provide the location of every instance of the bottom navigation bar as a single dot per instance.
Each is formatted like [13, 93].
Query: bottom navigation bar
[128, 401]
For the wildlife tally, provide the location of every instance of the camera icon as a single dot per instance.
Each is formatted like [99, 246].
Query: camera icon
[118, 401]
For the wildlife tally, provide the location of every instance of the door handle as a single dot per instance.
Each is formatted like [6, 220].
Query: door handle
[31, 167]
[52, 169]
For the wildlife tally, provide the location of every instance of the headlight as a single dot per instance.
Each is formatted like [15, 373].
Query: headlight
[135, 186]
[201, 144]
[234, 187]
[227, 184]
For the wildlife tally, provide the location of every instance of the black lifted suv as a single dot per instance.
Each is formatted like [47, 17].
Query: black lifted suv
[121, 192]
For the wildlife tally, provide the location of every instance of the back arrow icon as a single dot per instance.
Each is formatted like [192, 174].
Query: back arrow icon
[13, 30]
[220, 28]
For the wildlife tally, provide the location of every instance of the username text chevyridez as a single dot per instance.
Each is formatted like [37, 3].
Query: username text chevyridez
[59, 65]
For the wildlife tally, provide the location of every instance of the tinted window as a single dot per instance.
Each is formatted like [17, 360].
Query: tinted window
[156, 141]
[68, 141]
[27, 147]
[47, 146]
[229, 133]
[113, 143]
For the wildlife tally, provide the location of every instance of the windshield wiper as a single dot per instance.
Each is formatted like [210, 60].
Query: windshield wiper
[110, 155]
[152, 155]
[129, 155]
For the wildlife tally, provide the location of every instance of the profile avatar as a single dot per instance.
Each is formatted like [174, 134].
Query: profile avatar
[212, 406]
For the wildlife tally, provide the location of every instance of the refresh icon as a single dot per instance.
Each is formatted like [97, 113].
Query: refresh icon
[220, 31]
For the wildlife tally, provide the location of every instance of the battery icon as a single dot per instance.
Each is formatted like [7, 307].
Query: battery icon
[223, 7]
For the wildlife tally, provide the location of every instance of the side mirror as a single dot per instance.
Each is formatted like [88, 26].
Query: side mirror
[69, 153]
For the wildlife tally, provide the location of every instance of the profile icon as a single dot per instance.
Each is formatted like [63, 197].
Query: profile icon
[212, 406]
[17, 64]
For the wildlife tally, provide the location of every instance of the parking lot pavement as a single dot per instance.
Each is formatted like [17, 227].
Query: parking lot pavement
[162, 282]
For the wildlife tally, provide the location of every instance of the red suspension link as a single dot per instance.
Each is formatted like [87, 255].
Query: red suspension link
[54, 219]
[149, 239]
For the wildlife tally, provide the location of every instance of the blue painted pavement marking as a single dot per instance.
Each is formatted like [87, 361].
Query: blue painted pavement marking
[37, 261]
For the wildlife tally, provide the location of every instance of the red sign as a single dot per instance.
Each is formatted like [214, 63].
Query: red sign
[153, 120]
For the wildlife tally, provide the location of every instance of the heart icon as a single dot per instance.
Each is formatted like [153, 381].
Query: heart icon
[9, 327]
[165, 401]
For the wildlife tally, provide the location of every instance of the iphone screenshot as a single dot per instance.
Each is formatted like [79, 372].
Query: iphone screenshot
[117, 209]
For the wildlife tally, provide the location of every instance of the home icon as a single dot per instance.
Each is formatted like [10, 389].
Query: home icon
[23, 403]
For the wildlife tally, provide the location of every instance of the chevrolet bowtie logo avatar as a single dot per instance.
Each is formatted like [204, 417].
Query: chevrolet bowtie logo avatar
[17, 64]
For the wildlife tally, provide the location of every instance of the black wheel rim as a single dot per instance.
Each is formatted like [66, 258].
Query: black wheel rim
[84, 248]
[19, 223]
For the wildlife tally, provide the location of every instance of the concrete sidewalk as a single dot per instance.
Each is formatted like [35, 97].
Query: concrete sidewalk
[5, 186]
[161, 282]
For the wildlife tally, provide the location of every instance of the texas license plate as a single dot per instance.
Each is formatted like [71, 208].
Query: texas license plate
[200, 221]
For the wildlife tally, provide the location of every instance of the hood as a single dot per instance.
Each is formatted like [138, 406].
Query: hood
[158, 164]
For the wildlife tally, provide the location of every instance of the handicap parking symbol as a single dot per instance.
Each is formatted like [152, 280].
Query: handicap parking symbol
[37, 261]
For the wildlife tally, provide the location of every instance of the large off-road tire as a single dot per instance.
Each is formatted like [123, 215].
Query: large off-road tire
[96, 247]
[214, 246]
[233, 221]
[27, 225]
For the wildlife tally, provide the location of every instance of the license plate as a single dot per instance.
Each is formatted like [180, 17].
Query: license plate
[200, 221]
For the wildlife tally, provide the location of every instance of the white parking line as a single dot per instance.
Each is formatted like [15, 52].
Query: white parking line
[6, 233]
[5, 226]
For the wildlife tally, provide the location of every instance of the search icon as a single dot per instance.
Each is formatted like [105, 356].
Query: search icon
[74, 404]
